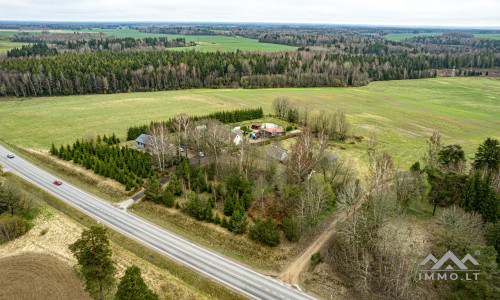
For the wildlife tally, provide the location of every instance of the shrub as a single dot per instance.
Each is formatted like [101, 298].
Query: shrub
[11, 227]
[316, 259]
[265, 232]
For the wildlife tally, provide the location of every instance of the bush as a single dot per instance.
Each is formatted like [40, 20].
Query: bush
[12, 227]
[265, 232]
[316, 259]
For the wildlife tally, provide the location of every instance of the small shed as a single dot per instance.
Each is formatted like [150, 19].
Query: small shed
[277, 153]
[256, 126]
[201, 127]
[272, 132]
[143, 140]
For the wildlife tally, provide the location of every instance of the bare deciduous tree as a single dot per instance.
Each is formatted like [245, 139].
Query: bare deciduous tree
[380, 168]
[281, 105]
[160, 146]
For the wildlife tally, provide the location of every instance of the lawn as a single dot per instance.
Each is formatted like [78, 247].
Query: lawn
[402, 114]
[401, 36]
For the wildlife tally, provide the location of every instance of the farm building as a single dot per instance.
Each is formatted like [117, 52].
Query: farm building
[143, 140]
[277, 153]
[201, 127]
[272, 132]
[256, 126]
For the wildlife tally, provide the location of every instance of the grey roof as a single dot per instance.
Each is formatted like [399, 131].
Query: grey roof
[144, 139]
[276, 152]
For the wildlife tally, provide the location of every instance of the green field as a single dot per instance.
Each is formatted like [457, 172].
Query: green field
[402, 114]
[401, 36]
[488, 36]
[6, 45]
[209, 43]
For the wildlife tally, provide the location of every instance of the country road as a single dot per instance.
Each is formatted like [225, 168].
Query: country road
[206, 262]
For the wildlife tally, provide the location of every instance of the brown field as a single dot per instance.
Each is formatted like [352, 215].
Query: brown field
[38, 276]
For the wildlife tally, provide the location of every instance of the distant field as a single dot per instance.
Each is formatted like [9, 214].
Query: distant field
[402, 114]
[401, 36]
[488, 36]
[211, 43]
[6, 45]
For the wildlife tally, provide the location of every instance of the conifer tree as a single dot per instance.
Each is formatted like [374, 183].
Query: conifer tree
[133, 287]
[93, 254]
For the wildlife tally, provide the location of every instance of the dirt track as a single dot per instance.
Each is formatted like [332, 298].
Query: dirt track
[38, 276]
[291, 275]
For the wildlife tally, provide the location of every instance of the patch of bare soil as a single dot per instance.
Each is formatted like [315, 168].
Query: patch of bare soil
[38, 276]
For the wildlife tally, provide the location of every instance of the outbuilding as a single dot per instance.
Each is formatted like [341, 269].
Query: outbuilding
[277, 153]
[143, 140]
[272, 132]
[256, 126]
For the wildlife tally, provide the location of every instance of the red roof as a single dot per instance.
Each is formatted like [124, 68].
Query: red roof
[255, 124]
[273, 130]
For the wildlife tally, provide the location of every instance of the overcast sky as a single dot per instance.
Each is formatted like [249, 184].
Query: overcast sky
[470, 13]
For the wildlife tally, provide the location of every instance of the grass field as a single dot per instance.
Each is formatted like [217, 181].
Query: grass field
[488, 36]
[402, 114]
[401, 36]
[6, 45]
[209, 43]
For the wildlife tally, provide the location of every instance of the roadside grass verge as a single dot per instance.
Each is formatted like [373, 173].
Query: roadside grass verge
[104, 188]
[190, 277]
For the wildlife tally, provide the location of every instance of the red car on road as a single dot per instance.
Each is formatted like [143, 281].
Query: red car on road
[57, 182]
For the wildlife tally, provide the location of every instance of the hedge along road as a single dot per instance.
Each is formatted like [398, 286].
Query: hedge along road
[208, 263]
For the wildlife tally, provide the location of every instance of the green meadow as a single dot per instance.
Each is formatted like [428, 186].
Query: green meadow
[488, 36]
[6, 45]
[402, 114]
[207, 43]
[401, 36]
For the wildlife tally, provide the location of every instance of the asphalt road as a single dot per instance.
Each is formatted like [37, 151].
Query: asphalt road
[206, 262]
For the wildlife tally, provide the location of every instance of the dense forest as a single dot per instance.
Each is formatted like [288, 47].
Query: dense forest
[111, 72]
[451, 39]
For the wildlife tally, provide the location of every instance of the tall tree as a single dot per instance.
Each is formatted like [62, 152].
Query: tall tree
[93, 254]
[488, 155]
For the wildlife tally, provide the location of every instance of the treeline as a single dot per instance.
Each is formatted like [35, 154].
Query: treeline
[31, 50]
[119, 44]
[449, 39]
[231, 116]
[52, 38]
[17, 208]
[111, 72]
[184, 30]
[94, 45]
[123, 164]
